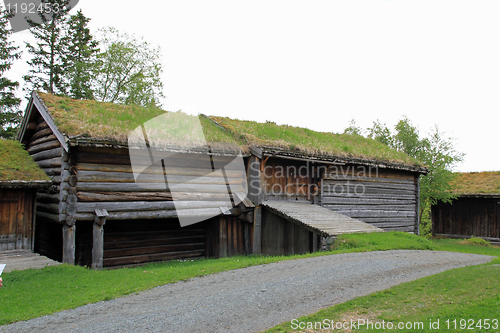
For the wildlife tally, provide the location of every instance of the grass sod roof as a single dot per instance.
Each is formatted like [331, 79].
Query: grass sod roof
[108, 121]
[477, 183]
[304, 140]
[101, 121]
[16, 165]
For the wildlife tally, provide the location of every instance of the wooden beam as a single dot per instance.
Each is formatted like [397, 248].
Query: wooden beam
[257, 230]
[146, 196]
[256, 181]
[47, 154]
[44, 146]
[223, 239]
[98, 238]
[263, 163]
[50, 163]
[143, 187]
[69, 231]
[154, 170]
[41, 133]
[42, 140]
[86, 207]
[154, 214]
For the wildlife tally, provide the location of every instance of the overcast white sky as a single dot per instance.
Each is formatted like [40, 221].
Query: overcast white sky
[319, 64]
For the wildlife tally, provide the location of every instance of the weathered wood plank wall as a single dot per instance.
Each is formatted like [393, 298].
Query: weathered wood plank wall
[388, 199]
[286, 179]
[228, 236]
[282, 237]
[467, 217]
[16, 218]
[130, 242]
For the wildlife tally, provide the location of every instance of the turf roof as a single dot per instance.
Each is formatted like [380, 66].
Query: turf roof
[17, 165]
[477, 183]
[304, 140]
[109, 121]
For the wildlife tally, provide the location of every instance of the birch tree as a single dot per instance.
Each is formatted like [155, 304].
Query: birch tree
[129, 70]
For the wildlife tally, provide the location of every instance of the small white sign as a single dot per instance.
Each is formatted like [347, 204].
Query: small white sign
[2, 266]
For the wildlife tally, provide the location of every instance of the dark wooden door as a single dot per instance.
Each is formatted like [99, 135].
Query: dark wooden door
[16, 219]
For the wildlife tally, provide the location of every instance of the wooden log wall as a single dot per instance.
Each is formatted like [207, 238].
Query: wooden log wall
[142, 223]
[467, 217]
[16, 218]
[46, 150]
[385, 198]
[282, 237]
[129, 243]
[103, 179]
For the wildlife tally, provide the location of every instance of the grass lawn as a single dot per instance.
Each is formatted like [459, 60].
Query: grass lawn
[463, 299]
[32, 293]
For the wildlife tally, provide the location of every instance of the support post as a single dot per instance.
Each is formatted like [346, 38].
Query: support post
[222, 237]
[98, 238]
[69, 230]
[257, 230]
[417, 208]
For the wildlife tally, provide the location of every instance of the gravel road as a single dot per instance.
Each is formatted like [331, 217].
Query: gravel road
[254, 298]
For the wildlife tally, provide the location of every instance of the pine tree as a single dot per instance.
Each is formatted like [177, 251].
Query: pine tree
[48, 64]
[80, 57]
[10, 116]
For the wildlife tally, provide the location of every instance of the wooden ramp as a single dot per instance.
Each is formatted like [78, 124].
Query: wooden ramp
[319, 219]
[24, 259]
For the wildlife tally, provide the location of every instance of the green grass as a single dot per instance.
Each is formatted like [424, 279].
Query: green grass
[487, 182]
[35, 292]
[463, 293]
[382, 242]
[17, 164]
[312, 142]
[469, 293]
[32, 293]
[96, 119]
[112, 122]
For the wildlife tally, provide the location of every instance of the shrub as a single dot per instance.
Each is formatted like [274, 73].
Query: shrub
[478, 241]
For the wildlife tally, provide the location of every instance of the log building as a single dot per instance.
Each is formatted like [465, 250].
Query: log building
[476, 210]
[283, 198]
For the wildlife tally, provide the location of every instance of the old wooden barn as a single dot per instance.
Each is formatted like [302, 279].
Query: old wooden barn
[476, 211]
[293, 189]
[20, 179]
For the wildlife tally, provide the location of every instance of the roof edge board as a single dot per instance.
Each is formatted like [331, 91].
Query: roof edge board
[24, 123]
[48, 119]
[25, 183]
[337, 160]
